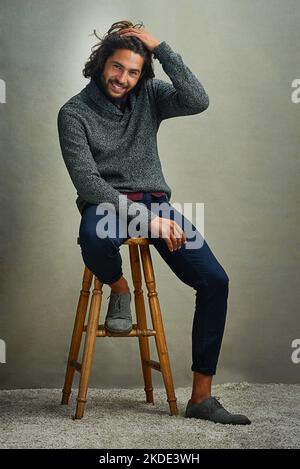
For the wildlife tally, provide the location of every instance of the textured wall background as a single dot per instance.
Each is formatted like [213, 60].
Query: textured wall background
[240, 157]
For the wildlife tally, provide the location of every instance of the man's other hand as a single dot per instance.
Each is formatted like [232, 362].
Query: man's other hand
[174, 236]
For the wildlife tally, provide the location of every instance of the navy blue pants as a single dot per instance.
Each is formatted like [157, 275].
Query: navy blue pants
[197, 268]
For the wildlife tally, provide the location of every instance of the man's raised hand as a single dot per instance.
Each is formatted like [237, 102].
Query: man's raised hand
[150, 41]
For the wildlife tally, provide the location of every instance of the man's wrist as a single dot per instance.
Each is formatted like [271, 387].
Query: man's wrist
[156, 45]
[162, 51]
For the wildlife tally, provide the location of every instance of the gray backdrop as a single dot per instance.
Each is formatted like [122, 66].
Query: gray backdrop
[240, 158]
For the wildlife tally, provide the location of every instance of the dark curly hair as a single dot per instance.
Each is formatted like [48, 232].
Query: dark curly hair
[109, 44]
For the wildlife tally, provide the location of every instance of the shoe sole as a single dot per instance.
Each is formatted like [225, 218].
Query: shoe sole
[118, 331]
[213, 421]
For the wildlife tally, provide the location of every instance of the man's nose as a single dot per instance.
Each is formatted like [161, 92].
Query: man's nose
[122, 77]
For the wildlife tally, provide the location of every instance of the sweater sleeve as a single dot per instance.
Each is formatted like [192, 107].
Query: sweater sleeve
[186, 96]
[83, 170]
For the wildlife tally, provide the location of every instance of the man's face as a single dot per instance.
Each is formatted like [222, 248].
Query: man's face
[123, 68]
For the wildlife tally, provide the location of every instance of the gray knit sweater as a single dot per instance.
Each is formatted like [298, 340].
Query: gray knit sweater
[107, 151]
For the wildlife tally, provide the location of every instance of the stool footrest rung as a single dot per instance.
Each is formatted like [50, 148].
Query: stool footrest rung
[153, 364]
[135, 332]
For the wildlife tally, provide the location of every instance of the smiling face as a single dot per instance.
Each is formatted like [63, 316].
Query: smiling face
[123, 68]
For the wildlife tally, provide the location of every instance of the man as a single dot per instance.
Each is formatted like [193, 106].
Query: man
[108, 138]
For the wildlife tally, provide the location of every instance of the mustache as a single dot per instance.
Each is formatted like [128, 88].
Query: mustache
[116, 83]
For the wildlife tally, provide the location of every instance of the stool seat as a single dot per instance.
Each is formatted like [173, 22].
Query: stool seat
[139, 252]
[137, 241]
[131, 241]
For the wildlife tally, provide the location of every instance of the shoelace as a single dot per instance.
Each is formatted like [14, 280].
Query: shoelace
[117, 302]
[217, 403]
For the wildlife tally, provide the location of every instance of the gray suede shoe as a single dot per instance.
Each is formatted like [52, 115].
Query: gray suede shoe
[211, 409]
[118, 316]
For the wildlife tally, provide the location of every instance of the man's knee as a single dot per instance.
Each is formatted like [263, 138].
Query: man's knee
[216, 279]
[220, 278]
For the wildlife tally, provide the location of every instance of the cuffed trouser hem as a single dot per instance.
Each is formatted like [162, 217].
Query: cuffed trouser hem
[113, 280]
[204, 371]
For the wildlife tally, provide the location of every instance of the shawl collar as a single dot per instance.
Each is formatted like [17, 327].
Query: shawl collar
[99, 97]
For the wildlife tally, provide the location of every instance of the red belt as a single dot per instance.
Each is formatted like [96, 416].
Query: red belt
[140, 195]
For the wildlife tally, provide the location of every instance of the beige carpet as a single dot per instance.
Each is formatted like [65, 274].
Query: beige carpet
[120, 418]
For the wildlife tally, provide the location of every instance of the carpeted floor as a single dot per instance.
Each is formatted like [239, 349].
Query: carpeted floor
[120, 418]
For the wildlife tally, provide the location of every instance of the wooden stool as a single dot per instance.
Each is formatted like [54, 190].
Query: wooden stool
[93, 330]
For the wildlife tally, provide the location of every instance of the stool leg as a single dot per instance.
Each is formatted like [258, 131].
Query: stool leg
[77, 333]
[141, 320]
[160, 338]
[89, 347]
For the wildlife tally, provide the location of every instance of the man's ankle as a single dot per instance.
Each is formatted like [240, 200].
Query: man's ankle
[120, 290]
[198, 399]
[121, 286]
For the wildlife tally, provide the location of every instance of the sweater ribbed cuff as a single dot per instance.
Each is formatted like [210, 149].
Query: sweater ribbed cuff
[162, 51]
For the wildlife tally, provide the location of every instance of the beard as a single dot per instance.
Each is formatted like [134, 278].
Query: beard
[107, 88]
